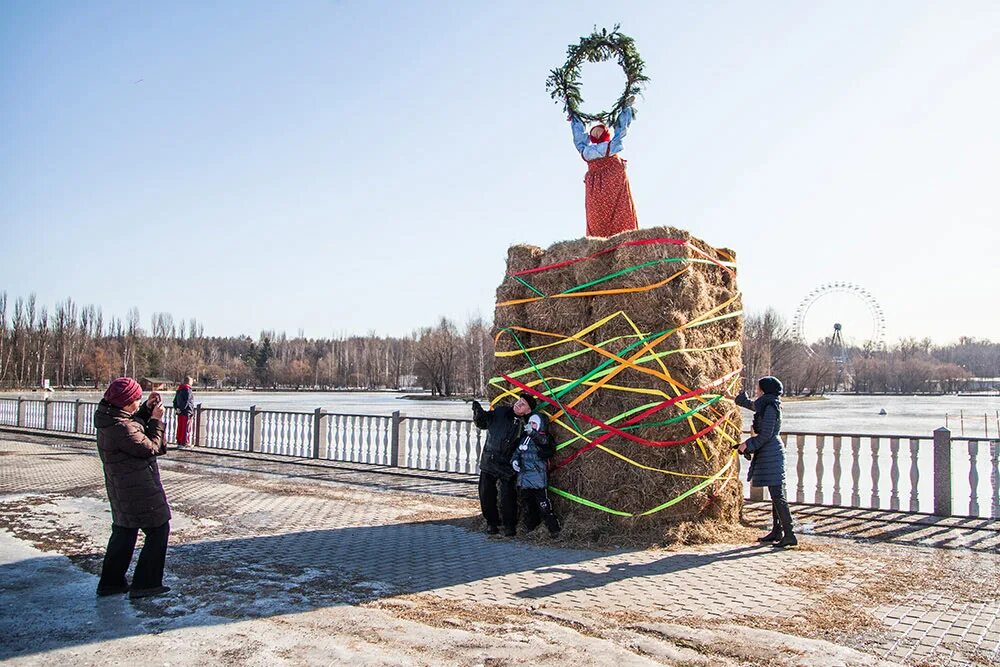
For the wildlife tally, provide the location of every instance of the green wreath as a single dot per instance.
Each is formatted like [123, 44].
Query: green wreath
[563, 84]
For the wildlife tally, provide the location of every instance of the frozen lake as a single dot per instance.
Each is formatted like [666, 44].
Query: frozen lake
[905, 415]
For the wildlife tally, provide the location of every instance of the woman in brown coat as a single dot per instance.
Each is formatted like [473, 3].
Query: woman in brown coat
[129, 438]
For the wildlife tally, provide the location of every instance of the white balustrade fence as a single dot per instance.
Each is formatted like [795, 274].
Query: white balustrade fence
[357, 438]
[933, 473]
[62, 416]
[34, 414]
[876, 471]
[286, 433]
[983, 465]
[8, 411]
[221, 429]
[451, 445]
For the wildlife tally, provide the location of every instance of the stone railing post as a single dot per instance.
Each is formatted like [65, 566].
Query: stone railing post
[397, 444]
[22, 410]
[47, 420]
[995, 477]
[942, 472]
[199, 427]
[78, 416]
[319, 429]
[255, 426]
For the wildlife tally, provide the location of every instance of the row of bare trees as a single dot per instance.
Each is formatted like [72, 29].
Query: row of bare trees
[73, 345]
[910, 366]
[36, 345]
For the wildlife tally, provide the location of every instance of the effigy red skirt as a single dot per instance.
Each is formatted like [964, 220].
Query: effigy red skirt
[609, 199]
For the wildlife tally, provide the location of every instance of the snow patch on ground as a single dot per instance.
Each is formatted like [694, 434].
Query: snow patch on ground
[92, 516]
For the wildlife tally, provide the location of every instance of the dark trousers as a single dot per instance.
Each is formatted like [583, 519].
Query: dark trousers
[781, 516]
[149, 568]
[538, 508]
[488, 485]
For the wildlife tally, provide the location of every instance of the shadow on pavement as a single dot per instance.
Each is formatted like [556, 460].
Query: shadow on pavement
[47, 603]
[583, 579]
[886, 526]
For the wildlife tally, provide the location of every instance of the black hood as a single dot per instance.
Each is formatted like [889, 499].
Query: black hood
[770, 385]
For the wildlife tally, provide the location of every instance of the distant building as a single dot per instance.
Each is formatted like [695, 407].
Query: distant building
[409, 383]
[156, 384]
[981, 384]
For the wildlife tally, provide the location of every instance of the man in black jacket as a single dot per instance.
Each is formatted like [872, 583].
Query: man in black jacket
[505, 429]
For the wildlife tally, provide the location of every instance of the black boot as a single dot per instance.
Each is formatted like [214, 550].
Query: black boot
[785, 517]
[775, 535]
[787, 541]
[550, 518]
[776, 532]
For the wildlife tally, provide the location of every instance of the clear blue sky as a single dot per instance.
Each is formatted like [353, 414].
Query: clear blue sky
[343, 167]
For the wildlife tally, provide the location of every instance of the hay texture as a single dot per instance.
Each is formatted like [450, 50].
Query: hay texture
[634, 335]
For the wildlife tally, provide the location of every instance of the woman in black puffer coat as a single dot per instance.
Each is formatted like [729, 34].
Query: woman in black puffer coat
[766, 453]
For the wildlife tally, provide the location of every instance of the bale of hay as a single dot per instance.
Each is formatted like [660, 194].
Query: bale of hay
[628, 342]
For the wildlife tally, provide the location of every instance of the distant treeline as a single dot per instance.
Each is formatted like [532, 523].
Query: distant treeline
[74, 345]
[910, 366]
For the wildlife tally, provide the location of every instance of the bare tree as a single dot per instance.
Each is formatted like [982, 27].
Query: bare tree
[436, 353]
[478, 355]
[767, 345]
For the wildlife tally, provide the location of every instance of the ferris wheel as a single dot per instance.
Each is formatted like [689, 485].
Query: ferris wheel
[877, 334]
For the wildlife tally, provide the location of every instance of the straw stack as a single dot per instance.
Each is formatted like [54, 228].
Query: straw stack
[691, 324]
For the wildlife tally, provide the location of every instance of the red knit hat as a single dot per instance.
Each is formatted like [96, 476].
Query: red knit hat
[122, 392]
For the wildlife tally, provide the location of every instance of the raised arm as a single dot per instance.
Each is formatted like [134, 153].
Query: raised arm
[141, 441]
[152, 428]
[143, 413]
[580, 138]
[621, 129]
[743, 400]
[481, 417]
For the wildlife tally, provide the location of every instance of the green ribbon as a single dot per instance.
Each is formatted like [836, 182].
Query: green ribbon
[673, 501]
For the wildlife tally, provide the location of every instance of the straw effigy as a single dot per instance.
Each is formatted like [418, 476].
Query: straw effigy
[627, 344]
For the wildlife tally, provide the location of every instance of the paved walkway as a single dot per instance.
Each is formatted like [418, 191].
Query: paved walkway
[355, 534]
